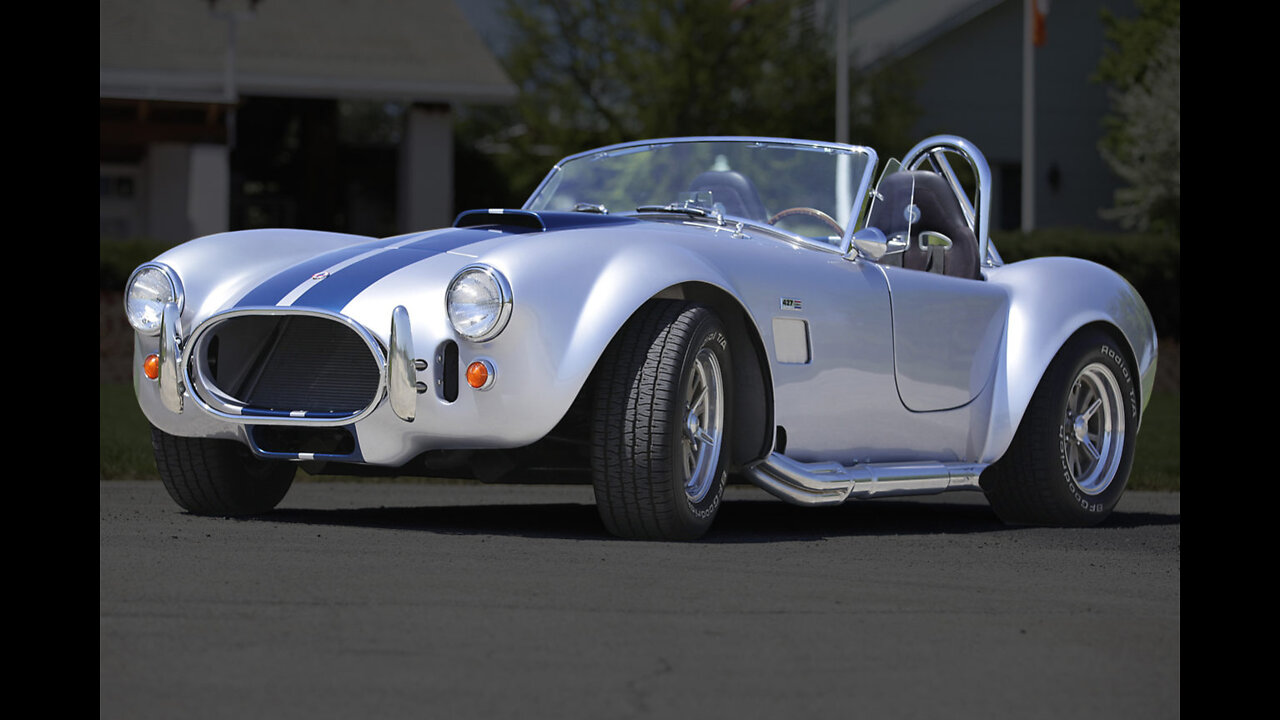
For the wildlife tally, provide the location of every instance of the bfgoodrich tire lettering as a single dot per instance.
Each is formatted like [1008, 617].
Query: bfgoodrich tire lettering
[659, 441]
[219, 477]
[1070, 458]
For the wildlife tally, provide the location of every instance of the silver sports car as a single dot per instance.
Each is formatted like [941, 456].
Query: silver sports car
[660, 316]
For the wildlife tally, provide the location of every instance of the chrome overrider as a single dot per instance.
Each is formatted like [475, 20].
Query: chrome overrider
[402, 376]
[171, 385]
[830, 483]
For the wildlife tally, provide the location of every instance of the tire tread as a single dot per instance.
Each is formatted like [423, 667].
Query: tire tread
[218, 477]
[631, 448]
[1026, 487]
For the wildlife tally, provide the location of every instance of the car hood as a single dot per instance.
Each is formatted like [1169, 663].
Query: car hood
[547, 253]
[331, 280]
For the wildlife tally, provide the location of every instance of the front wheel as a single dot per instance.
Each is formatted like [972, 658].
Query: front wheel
[219, 477]
[1070, 458]
[663, 400]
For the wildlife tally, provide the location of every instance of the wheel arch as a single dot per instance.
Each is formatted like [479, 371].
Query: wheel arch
[750, 429]
[1123, 344]
[1060, 438]
[751, 423]
[1054, 299]
[1125, 347]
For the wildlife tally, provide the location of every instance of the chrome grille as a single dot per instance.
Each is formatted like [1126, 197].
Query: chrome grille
[287, 364]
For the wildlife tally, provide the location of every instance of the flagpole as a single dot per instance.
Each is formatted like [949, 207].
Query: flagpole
[844, 189]
[1028, 119]
[842, 71]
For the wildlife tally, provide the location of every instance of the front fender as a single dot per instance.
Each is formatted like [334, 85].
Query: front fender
[624, 283]
[1053, 298]
[215, 269]
[566, 313]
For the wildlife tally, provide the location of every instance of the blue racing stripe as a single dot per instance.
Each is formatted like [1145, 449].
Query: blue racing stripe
[271, 290]
[338, 289]
[342, 287]
[451, 240]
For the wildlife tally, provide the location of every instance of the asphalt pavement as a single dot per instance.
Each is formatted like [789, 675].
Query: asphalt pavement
[393, 600]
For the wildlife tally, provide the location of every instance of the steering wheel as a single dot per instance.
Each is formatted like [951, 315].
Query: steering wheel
[811, 212]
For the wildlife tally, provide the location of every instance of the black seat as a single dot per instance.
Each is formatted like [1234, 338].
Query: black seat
[732, 190]
[936, 209]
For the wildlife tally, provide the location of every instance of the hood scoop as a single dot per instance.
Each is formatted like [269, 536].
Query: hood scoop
[523, 221]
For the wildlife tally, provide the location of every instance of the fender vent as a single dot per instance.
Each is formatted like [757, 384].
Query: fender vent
[447, 371]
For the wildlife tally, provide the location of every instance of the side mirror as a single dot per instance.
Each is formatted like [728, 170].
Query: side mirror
[871, 243]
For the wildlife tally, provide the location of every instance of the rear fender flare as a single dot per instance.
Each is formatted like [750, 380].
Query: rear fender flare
[1052, 299]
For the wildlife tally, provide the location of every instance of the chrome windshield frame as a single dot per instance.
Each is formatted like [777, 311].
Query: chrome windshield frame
[859, 195]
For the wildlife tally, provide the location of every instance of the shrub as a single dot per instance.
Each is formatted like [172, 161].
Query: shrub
[117, 259]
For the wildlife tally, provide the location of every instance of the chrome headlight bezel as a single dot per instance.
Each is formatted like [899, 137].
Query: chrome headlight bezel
[478, 303]
[150, 287]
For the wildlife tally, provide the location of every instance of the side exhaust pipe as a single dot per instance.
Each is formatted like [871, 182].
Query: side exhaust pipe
[830, 483]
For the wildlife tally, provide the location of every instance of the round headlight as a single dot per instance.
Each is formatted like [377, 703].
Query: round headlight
[479, 303]
[149, 289]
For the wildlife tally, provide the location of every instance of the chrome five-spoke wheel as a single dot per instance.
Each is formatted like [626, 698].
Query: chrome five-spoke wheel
[1069, 461]
[703, 425]
[1093, 429]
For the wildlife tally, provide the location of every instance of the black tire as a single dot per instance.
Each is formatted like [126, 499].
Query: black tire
[659, 445]
[219, 477]
[1070, 458]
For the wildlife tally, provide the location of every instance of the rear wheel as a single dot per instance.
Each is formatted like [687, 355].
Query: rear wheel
[659, 450]
[1070, 458]
[219, 477]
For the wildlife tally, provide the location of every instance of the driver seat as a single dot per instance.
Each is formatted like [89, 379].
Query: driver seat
[936, 209]
[732, 190]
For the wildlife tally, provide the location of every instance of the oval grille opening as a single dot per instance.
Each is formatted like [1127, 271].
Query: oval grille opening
[284, 364]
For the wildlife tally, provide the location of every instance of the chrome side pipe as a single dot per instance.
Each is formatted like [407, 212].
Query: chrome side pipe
[830, 483]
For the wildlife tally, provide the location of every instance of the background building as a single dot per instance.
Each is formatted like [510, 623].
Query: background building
[331, 114]
[965, 58]
[339, 115]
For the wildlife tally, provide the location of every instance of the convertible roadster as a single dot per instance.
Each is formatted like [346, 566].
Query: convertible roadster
[659, 317]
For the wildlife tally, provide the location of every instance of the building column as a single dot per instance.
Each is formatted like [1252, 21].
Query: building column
[425, 198]
[167, 167]
[188, 191]
[209, 191]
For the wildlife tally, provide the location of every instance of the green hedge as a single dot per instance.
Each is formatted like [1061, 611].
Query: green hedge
[117, 259]
[1151, 263]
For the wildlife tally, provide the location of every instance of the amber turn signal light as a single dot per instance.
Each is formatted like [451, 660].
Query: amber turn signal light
[480, 375]
[151, 366]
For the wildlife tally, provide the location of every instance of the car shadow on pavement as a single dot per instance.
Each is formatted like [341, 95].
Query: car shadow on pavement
[739, 521]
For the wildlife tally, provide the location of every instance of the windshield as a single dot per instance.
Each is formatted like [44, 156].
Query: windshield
[809, 189]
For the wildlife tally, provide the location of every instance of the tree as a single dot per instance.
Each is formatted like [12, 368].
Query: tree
[595, 72]
[1143, 139]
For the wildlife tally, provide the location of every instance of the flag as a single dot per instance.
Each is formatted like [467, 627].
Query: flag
[1039, 10]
